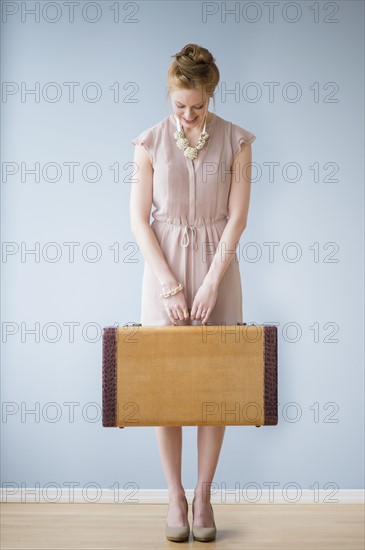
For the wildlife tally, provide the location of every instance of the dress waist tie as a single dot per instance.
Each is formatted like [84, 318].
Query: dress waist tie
[185, 241]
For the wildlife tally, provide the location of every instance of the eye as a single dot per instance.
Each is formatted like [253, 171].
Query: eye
[182, 106]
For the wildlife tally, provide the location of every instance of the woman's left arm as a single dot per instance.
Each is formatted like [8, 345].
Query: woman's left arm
[238, 205]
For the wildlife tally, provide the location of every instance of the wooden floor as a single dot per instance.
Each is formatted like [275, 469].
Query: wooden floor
[142, 526]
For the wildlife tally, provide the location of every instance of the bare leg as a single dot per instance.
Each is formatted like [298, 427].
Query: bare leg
[170, 446]
[210, 439]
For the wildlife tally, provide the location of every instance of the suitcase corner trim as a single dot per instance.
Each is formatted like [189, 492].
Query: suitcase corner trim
[271, 375]
[109, 377]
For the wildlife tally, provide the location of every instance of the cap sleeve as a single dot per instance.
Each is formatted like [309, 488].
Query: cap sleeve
[240, 135]
[145, 138]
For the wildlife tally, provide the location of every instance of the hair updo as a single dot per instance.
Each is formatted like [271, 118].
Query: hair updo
[193, 67]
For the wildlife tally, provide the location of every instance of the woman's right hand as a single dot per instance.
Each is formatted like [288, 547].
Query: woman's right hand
[175, 305]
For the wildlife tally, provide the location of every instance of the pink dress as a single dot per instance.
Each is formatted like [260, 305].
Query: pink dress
[190, 201]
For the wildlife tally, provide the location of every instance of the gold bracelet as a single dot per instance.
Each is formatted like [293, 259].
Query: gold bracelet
[172, 292]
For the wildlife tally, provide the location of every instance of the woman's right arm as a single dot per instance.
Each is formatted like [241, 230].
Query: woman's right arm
[140, 212]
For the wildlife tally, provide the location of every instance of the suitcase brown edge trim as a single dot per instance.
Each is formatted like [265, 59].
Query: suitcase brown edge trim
[109, 376]
[271, 375]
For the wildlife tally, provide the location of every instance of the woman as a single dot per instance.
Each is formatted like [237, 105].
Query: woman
[195, 169]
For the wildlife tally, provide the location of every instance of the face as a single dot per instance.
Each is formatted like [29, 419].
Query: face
[190, 106]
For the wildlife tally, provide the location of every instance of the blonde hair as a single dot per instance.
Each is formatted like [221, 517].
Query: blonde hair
[193, 66]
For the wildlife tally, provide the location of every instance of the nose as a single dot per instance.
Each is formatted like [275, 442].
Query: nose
[189, 115]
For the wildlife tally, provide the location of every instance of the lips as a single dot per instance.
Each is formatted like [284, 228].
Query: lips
[190, 120]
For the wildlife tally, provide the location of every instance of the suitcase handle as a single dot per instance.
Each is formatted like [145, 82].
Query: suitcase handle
[217, 324]
[211, 322]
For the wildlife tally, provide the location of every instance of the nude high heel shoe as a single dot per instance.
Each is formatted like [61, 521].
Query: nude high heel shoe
[178, 534]
[204, 534]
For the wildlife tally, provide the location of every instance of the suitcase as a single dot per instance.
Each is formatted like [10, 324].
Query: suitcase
[191, 375]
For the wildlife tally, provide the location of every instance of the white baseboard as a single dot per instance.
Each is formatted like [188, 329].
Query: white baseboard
[93, 494]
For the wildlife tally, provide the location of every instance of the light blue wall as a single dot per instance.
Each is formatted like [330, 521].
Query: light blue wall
[321, 134]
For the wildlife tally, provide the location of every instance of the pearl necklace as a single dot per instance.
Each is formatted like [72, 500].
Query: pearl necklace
[183, 143]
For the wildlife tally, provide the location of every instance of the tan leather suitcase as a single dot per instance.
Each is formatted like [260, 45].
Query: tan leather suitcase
[192, 375]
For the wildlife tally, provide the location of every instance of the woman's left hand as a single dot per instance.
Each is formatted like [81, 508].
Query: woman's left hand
[204, 301]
